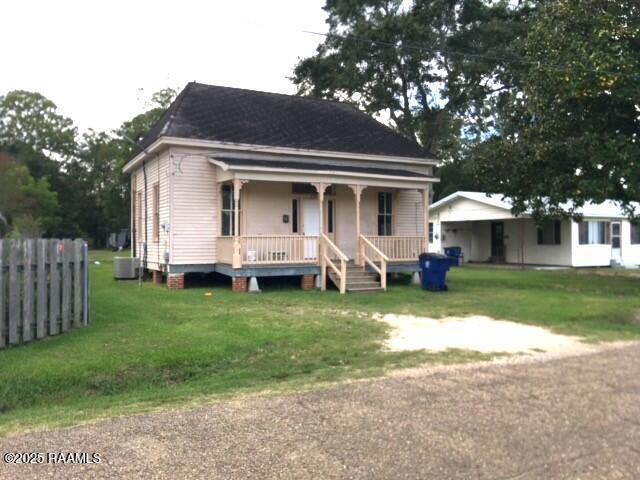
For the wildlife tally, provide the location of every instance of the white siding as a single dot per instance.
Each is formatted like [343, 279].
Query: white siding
[520, 240]
[345, 234]
[408, 213]
[195, 210]
[630, 253]
[463, 209]
[157, 172]
[263, 205]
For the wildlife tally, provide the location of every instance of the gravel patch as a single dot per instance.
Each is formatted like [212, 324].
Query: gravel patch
[477, 333]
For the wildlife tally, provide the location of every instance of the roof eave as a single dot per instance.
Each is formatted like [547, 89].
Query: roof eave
[338, 173]
[188, 142]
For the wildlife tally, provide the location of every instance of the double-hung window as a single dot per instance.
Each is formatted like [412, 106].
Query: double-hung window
[385, 213]
[156, 212]
[593, 233]
[635, 234]
[550, 233]
[140, 222]
[228, 211]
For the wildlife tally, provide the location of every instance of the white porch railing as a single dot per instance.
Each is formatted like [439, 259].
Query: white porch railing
[328, 253]
[278, 249]
[267, 250]
[369, 255]
[399, 248]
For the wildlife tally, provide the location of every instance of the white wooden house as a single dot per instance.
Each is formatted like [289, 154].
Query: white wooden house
[255, 184]
[487, 231]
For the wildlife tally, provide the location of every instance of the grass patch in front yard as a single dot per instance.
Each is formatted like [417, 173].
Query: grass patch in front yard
[148, 346]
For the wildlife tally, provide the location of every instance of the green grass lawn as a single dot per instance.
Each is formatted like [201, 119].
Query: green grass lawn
[148, 346]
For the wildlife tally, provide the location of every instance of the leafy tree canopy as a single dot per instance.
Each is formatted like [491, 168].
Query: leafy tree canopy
[48, 169]
[572, 135]
[28, 207]
[29, 118]
[426, 65]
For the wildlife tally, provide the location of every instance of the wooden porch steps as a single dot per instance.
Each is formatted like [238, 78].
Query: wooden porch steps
[358, 280]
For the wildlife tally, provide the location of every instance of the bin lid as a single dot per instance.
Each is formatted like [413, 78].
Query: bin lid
[433, 256]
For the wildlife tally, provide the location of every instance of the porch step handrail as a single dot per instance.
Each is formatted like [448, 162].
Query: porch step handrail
[325, 245]
[365, 245]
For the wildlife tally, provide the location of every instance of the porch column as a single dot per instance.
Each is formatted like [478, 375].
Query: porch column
[425, 216]
[321, 187]
[357, 190]
[237, 255]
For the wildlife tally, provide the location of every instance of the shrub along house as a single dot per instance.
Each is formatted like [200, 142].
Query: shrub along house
[487, 231]
[255, 184]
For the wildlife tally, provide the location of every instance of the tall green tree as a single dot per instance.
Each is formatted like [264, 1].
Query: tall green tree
[102, 188]
[28, 207]
[573, 134]
[29, 118]
[57, 183]
[431, 67]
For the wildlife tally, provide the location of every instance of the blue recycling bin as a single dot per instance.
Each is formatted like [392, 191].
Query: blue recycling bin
[434, 271]
[454, 254]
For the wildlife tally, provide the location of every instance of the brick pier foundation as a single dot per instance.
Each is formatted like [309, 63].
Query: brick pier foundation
[239, 284]
[308, 282]
[175, 281]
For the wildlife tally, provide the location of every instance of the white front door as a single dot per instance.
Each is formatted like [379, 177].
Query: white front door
[615, 240]
[311, 226]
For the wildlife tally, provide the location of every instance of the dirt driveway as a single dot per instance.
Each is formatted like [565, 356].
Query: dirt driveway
[577, 417]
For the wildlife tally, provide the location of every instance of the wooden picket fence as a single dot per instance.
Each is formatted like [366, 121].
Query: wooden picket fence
[44, 288]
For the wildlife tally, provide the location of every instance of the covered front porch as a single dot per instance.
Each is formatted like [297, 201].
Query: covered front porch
[329, 225]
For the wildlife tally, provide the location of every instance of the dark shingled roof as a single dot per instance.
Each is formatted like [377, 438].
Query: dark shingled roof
[224, 114]
[289, 164]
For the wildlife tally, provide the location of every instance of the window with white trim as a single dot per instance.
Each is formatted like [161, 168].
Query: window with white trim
[228, 212]
[139, 222]
[156, 213]
[550, 233]
[635, 234]
[385, 213]
[593, 233]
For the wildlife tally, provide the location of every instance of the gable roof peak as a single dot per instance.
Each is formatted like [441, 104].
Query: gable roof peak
[253, 117]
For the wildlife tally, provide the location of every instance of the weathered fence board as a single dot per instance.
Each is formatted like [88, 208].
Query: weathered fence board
[78, 280]
[66, 284]
[3, 326]
[54, 287]
[14, 292]
[43, 288]
[27, 292]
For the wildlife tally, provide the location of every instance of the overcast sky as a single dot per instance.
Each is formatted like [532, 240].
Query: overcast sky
[100, 61]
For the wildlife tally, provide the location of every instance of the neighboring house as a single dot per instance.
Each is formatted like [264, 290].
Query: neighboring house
[255, 184]
[487, 232]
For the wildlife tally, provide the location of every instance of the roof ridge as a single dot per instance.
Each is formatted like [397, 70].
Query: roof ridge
[318, 99]
[265, 92]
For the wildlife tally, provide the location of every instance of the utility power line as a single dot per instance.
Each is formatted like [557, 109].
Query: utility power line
[480, 56]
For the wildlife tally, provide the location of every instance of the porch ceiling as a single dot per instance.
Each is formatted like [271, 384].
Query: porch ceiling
[299, 171]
